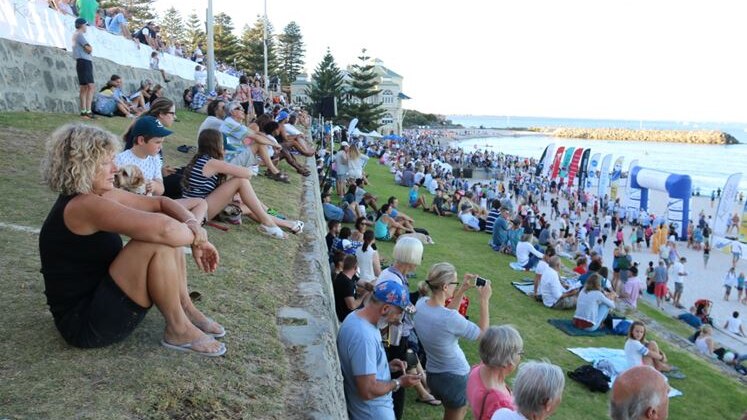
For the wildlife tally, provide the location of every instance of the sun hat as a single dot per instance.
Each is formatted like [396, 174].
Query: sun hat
[393, 293]
[149, 126]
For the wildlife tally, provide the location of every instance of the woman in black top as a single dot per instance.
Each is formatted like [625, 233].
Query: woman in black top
[97, 290]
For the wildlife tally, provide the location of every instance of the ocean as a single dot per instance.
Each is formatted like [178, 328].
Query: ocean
[708, 165]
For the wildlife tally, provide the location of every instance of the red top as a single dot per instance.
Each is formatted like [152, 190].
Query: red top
[485, 402]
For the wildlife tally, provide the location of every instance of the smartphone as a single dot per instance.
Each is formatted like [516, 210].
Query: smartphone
[480, 282]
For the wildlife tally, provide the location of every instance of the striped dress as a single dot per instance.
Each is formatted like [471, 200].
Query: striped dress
[199, 185]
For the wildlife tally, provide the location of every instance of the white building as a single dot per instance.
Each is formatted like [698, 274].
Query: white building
[390, 95]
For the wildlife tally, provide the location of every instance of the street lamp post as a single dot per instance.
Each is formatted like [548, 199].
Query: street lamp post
[210, 49]
[264, 26]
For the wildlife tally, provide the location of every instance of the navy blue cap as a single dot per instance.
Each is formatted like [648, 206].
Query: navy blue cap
[149, 126]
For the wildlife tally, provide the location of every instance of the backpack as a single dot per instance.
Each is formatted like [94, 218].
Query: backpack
[593, 378]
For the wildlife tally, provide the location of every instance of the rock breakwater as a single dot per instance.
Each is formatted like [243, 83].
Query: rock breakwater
[665, 136]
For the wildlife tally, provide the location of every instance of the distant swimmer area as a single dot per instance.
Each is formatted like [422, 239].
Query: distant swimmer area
[626, 134]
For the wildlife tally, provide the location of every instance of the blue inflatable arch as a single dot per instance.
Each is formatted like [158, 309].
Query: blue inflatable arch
[678, 188]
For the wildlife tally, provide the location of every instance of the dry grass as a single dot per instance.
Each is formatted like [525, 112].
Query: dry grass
[42, 377]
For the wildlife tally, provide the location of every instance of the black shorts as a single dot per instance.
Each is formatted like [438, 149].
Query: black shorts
[85, 71]
[245, 105]
[107, 317]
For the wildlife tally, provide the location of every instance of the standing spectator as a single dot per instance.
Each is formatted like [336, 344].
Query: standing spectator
[679, 283]
[661, 277]
[258, 99]
[87, 9]
[243, 94]
[500, 349]
[706, 253]
[147, 35]
[730, 281]
[439, 329]
[538, 390]
[178, 51]
[63, 6]
[197, 55]
[84, 67]
[200, 75]
[366, 373]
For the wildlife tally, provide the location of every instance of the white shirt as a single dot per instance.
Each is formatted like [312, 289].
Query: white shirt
[634, 352]
[210, 122]
[523, 249]
[679, 270]
[733, 324]
[291, 130]
[151, 165]
[365, 263]
[506, 414]
[470, 220]
[550, 287]
[730, 279]
[541, 267]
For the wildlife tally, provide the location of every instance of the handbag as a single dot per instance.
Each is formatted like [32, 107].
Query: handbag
[230, 214]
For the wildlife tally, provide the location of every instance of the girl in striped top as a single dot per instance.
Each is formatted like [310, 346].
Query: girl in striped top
[206, 177]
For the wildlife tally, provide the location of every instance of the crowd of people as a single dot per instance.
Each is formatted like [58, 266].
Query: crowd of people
[429, 321]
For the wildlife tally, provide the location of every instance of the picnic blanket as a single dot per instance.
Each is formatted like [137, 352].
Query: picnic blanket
[516, 266]
[526, 287]
[616, 357]
[566, 325]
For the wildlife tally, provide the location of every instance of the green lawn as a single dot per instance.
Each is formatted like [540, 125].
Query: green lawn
[42, 377]
[707, 394]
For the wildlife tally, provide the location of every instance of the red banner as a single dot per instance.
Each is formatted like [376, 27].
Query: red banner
[574, 165]
[556, 162]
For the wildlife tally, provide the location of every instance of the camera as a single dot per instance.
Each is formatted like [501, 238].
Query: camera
[480, 282]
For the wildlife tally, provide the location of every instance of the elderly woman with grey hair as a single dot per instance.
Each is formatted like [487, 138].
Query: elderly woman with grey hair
[500, 348]
[538, 389]
[439, 328]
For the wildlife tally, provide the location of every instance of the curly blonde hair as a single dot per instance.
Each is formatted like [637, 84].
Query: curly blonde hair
[74, 153]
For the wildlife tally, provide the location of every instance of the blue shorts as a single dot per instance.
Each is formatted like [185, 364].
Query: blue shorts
[451, 389]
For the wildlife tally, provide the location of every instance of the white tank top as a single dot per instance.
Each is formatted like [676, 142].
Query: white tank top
[702, 345]
[365, 263]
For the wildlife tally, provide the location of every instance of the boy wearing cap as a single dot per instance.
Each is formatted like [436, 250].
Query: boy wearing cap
[84, 67]
[366, 373]
[148, 134]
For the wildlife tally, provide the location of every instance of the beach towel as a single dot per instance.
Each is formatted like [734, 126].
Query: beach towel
[616, 358]
[566, 325]
[524, 287]
[516, 266]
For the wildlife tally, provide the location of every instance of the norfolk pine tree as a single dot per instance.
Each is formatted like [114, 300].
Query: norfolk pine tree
[195, 34]
[173, 27]
[251, 57]
[327, 80]
[291, 53]
[364, 100]
[226, 43]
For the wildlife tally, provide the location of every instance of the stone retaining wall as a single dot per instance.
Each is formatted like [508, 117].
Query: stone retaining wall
[43, 79]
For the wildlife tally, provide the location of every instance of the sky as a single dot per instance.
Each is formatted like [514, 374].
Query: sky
[650, 60]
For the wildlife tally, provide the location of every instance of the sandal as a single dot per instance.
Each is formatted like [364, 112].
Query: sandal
[280, 177]
[433, 402]
[303, 171]
[297, 228]
[271, 231]
[205, 324]
[189, 347]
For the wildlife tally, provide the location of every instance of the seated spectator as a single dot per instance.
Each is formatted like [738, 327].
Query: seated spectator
[118, 24]
[199, 99]
[331, 211]
[440, 207]
[110, 101]
[154, 65]
[344, 244]
[439, 329]
[243, 146]
[639, 393]
[216, 111]
[639, 351]
[580, 267]
[296, 139]
[205, 177]
[148, 135]
[542, 265]
[333, 229]
[593, 305]
[271, 130]
[499, 237]
[97, 290]
[366, 374]
[415, 199]
[493, 215]
[538, 390]
[469, 221]
[386, 228]
[526, 254]
[408, 177]
[704, 343]
[398, 215]
[734, 324]
[63, 6]
[554, 295]
[346, 298]
[198, 58]
[702, 309]
[500, 350]
[155, 93]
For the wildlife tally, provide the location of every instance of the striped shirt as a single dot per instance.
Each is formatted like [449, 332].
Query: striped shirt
[199, 185]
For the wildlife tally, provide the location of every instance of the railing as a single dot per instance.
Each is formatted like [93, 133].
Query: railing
[25, 21]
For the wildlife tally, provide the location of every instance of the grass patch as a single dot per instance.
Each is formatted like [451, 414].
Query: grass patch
[707, 394]
[43, 377]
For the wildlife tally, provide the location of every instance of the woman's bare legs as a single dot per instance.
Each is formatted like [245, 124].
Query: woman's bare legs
[261, 151]
[194, 314]
[150, 273]
[223, 195]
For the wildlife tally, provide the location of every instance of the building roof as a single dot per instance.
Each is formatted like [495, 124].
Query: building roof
[403, 96]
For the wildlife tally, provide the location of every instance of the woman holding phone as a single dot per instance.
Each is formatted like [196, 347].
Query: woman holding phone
[439, 329]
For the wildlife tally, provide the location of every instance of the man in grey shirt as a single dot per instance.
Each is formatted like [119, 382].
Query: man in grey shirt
[661, 277]
[84, 67]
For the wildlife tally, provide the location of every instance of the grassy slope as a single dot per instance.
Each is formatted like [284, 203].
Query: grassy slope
[707, 394]
[42, 377]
